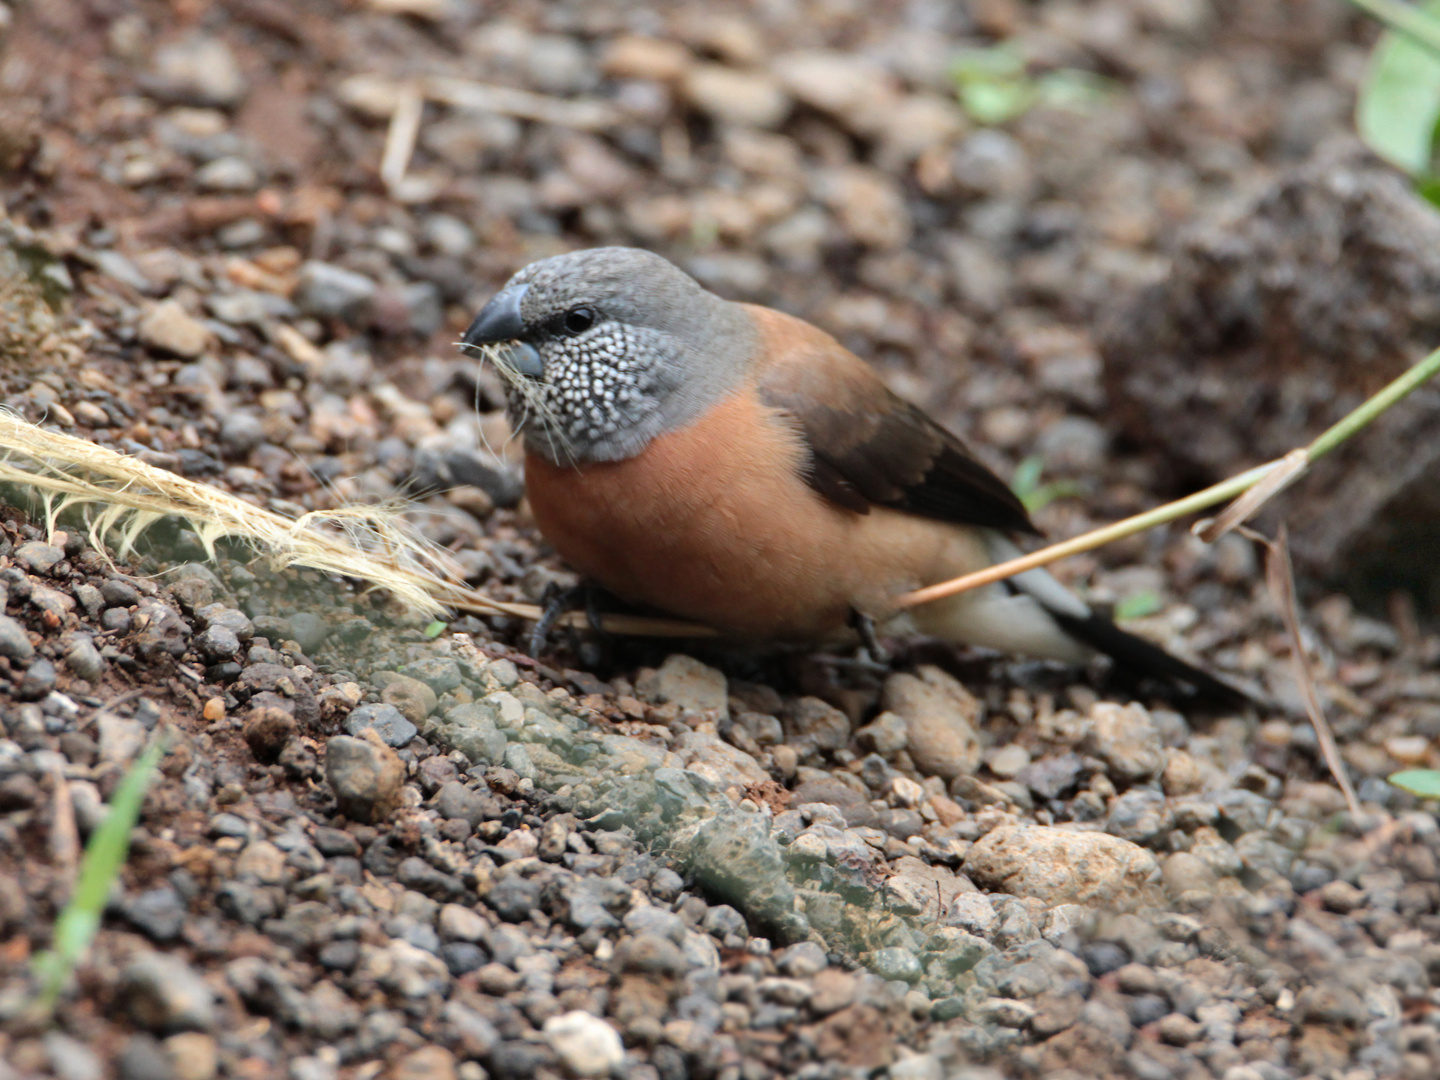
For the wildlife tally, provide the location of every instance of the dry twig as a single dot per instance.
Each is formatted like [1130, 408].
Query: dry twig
[1280, 578]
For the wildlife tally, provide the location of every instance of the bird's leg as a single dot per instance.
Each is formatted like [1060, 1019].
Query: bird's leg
[592, 606]
[864, 625]
[555, 603]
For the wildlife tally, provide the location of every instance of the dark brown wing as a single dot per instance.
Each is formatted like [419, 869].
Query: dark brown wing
[868, 446]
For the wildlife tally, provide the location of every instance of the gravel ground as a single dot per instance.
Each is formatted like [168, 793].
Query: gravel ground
[371, 853]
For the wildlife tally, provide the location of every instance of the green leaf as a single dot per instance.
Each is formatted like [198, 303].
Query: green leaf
[1422, 782]
[1399, 104]
[104, 855]
[435, 629]
[1034, 495]
[1074, 89]
[992, 84]
[1027, 476]
[1138, 605]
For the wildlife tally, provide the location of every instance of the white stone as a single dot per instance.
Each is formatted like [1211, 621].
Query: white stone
[587, 1045]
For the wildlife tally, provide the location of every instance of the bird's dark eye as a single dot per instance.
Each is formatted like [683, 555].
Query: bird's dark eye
[579, 319]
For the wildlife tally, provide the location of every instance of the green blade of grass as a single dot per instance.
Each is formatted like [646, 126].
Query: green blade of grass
[105, 853]
[1422, 782]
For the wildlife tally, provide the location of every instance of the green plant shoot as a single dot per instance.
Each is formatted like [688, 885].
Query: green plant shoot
[105, 853]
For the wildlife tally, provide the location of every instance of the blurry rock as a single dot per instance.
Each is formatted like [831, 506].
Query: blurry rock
[14, 641]
[196, 70]
[84, 659]
[867, 203]
[267, 730]
[442, 466]
[38, 557]
[412, 697]
[694, 686]
[1279, 314]
[160, 630]
[940, 717]
[992, 162]
[632, 57]
[1061, 867]
[826, 725]
[229, 173]
[365, 774]
[164, 994]
[333, 292]
[1127, 739]
[385, 720]
[733, 856]
[735, 96]
[168, 328]
[585, 1044]
[853, 89]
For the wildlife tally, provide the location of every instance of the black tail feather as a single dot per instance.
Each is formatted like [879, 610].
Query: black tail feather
[1144, 658]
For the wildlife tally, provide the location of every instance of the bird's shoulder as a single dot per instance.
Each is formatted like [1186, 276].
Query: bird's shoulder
[867, 445]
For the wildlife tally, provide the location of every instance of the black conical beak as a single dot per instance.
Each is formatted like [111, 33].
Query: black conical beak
[499, 321]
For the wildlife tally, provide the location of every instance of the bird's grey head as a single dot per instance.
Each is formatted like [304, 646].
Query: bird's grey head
[603, 350]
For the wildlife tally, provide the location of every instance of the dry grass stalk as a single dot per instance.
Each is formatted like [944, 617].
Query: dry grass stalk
[1280, 578]
[122, 496]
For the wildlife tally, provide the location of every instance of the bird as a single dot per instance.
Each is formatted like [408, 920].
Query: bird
[734, 465]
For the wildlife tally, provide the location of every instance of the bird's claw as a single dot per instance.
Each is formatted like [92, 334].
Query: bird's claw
[864, 625]
[557, 602]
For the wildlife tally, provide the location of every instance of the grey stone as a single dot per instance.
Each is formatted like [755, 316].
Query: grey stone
[333, 292]
[802, 960]
[229, 173]
[940, 717]
[71, 1059]
[308, 630]
[241, 432]
[895, 964]
[666, 885]
[385, 720]
[14, 641]
[197, 70]
[1139, 815]
[654, 920]
[365, 776]
[513, 897]
[38, 557]
[161, 631]
[84, 659]
[694, 686]
[164, 994]
[38, 681]
[218, 643]
[118, 593]
[734, 856]
[455, 800]
[650, 954]
[159, 913]
[143, 1058]
[821, 722]
[1127, 740]
[440, 673]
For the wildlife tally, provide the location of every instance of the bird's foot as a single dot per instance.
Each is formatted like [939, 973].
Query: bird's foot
[556, 603]
[864, 625]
